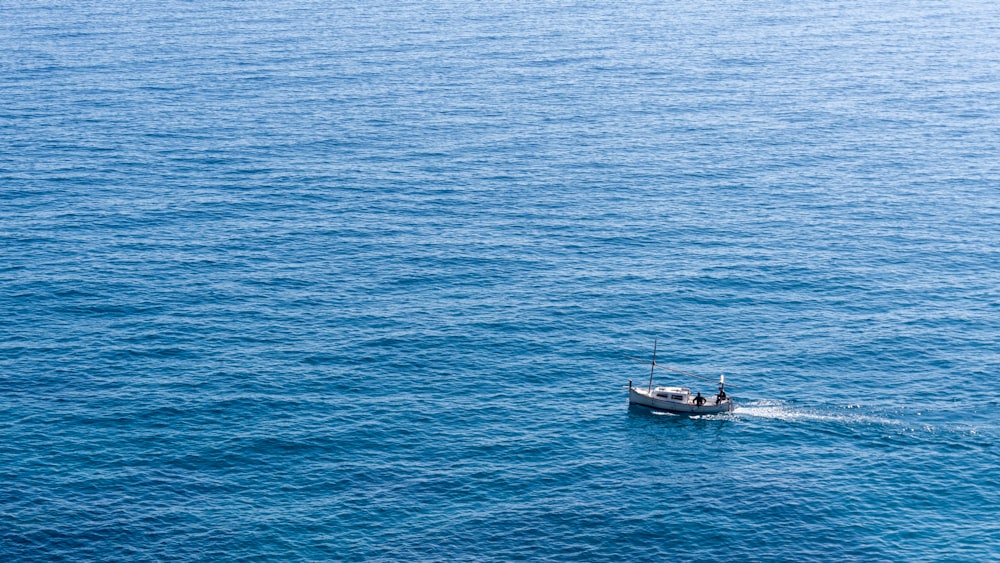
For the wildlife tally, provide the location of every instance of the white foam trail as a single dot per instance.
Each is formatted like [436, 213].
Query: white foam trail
[779, 411]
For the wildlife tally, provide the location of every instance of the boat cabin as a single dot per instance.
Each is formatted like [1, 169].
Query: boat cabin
[673, 394]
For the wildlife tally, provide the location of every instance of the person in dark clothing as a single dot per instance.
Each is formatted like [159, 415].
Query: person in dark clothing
[699, 400]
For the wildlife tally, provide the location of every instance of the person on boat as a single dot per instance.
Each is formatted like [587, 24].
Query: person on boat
[699, 400]
[722, 394]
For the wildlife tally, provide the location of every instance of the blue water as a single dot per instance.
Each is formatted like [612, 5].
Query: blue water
[301, 280]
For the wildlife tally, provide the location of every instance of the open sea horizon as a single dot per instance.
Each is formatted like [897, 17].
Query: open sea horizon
[332, 281]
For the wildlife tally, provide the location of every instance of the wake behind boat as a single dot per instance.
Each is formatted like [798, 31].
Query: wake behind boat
[678, 400]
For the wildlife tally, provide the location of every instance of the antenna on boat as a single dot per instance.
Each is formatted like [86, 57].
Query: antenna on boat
[652, 367]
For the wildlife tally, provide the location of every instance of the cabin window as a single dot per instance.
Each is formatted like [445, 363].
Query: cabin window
[677, 397]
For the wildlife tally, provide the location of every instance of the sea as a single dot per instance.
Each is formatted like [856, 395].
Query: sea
[306, 280]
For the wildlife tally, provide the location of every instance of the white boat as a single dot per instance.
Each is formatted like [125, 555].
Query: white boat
[679, 400]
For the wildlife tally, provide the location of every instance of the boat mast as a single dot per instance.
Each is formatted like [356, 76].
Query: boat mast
[651, 367]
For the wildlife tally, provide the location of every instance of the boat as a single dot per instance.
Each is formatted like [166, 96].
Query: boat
[679, 400]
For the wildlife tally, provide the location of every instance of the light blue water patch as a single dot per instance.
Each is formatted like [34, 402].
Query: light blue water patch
[313, 281]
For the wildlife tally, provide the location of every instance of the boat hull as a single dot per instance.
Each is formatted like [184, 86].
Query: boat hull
[642, 398]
